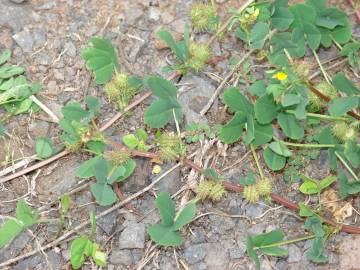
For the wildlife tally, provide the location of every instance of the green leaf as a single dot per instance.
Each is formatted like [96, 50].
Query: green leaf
[262, 133]
[93, 104]
[326, 136]
[314, 223]
[141, 134]
[185, 216]
[130, 141]
[258, 88]
[248, 180]
[250, 130]
[23, 106]
[164, 235]
[312, 35]
[129, 169]
[231, 132]
[5, 56]
[251, 252]
[236, 101]
[282, 18]
[280, 149]
[341, 105]
[25, 215]
[97, 147]
[352, 153]
[167, 37]
[330, 18]
[160, 113]
[98, 256]
[309, 186]
[343, 84]
[290, 99]
[211, 174]
[274, 161]
[347, 188]
[44, 147]
[80, 248]
[265, 109]
[103, 194]
[162, 88]
[291, 126]
[305, 211]
[302, 13]
[101, 169]
[315, 254]
[86, 169]
[10, 71]
[258, 35]
[274, 251]
[65, 202]
[101, 58]
[327, 181]
[9, 230]
[166, 208]
[73, 111]
[115, 174]
[268, 238]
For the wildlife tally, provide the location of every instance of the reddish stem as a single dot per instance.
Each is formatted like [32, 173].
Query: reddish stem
[237, 188]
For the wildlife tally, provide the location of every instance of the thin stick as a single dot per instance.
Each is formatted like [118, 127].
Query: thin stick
[224, 81]
[17, 165]
[326, 76]
[44, 108]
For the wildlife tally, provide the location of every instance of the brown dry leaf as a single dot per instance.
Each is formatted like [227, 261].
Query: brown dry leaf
[341, 210]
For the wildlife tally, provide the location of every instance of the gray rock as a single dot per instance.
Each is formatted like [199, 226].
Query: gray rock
[123, 257]
[253, 210]
[43, 59]
[25, 40]
[195, 253]
[154, 14]
[221, 224]
[39, 37]
[66, 253]
[107, 223]
[257, 228]
[70, 49]
[13, 15]
[198, 236]
[239, 251]
[172, 182]
[295, 254]
[39, 262]
[39, 128]
[133, 15]
[133, 236]
[199, 266]
[15, 247]
[137, 254]
[17, 1]
[217, 255]
[193, 100]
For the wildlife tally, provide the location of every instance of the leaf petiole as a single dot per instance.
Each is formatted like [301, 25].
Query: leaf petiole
[257, 161]
[322, 116]
[347, 166]
[287, 242]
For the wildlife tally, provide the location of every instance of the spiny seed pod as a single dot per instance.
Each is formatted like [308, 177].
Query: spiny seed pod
[339, 130]
[200, 51]
[168, 140]
[251, 194]
[325, 89]
[217, 191]
[264, 187]
[73, 147]
[204, 189]
[120, 91]
[202, 16]
[196, 65]
[213, 190]
[168, 154]
[301, 69]
[98, 136]
[118, 158]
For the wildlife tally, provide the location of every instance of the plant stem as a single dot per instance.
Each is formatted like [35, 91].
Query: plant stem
[322, 116]
[347, 166]
[287, 242]
[178, 131]
[305, 145]
[257, 161]
[326, 76]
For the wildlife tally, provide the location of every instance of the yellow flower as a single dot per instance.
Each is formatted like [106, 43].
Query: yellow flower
[281, 76]
[156, 169]
[256, 13]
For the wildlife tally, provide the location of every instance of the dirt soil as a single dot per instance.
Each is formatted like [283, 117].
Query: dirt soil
[47, 38]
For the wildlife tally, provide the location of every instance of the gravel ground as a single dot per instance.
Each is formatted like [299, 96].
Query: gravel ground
[47, 37]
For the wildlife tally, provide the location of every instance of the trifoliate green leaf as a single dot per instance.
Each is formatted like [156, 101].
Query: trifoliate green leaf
[231, 132]
[258, 35]
[265, 109]
[341, 105]
[343, 84]
[274, 161]
[101, 58]
[262, 133]
[290, 126]
[236, 101]
[103, 194]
